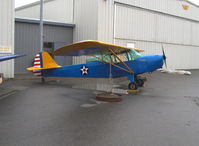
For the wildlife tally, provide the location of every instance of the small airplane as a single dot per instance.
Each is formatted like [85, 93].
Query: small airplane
[8, 57]
[105, 60]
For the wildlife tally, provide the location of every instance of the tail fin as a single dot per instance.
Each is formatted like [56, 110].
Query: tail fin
[43, 61]
[37, 63]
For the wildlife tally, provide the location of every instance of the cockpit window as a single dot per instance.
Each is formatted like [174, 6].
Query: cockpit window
[128, 55]
[132, 54]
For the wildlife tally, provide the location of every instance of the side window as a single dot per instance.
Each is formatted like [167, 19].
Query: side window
[123, 57]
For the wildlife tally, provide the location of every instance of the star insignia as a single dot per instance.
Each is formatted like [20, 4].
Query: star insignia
[84, 70]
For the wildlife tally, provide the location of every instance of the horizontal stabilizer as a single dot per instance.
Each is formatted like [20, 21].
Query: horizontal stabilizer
[38, 68]
[43, 61]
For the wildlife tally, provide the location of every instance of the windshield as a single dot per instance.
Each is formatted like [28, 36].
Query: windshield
[132, 54]
[126, 56]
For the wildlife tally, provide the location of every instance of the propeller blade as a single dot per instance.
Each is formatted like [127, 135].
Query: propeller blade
[165, 63]
[164, 56]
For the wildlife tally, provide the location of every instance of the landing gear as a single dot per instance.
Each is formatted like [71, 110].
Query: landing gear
[140, 81]
[132, 86]
[136, 81]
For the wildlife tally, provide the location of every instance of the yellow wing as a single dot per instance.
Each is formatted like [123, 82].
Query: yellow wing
[91, 48]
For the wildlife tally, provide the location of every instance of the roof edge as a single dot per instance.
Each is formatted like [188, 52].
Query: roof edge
[190, 2]
[37, 21]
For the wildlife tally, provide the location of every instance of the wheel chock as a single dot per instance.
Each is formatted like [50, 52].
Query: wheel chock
[1, 78]
[108, 97]
[133, 91]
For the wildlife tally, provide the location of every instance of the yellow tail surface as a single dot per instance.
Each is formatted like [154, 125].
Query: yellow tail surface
[43, 61]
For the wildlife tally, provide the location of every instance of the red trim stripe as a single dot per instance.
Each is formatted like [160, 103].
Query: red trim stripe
[37, 63]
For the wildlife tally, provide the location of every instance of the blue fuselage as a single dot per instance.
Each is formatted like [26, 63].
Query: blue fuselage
[97, 69]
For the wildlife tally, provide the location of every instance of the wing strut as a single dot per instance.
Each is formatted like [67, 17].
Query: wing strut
[110, 63]
[129, 70]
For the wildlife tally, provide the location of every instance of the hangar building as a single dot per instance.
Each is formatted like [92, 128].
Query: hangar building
[142, 23]
[7, 36]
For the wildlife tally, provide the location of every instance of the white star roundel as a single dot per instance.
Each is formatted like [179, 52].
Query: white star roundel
[84, 70]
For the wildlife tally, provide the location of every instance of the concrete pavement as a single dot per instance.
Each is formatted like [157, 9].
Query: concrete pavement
[165, 113]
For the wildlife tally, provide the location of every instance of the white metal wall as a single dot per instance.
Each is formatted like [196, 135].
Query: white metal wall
[7, 36]
[86, 21]
[141, 24]
[54, 10]
[171, 7]
[148, 30]
[178, 56]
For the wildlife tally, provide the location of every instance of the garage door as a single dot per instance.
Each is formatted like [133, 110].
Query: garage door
[27, 41]
[149, 30]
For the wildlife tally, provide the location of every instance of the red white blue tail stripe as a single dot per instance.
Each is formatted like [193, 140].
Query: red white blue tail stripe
[37, 63]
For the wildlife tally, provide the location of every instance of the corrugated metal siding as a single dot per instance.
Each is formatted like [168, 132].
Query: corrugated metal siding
[149, 29]
[57, 10]
[106, 20]
[178, 56]
[144, 25]
[86, 21]
[173, 7]
[7, 35]
[27, 41]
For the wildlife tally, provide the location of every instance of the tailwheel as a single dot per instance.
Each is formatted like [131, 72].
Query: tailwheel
[42, 79]
[132, 86]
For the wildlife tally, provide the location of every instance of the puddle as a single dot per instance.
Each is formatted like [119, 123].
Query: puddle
[87, 105]
[95, 103]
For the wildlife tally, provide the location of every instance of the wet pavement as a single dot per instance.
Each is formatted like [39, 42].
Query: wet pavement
[164, 113]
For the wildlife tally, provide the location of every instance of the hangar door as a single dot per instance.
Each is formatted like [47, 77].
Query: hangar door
[149, 30]
[27, 41]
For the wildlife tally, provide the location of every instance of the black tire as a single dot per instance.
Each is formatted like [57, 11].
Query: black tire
[140, 82]
[43, 80]
[132, 86]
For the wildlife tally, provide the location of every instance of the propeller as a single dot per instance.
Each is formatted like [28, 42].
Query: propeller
[164, 56]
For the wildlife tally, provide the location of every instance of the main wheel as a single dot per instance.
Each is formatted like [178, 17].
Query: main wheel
[132, 86]
[140, 82]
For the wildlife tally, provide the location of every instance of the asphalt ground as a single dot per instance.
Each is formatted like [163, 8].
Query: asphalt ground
[164, 113]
